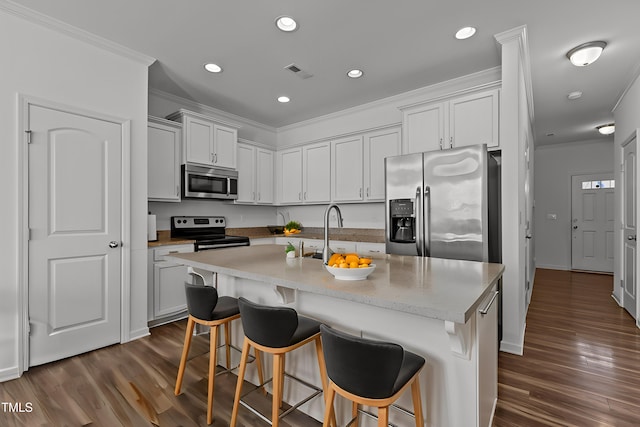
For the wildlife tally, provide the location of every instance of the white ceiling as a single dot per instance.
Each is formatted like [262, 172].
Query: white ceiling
[401, 45]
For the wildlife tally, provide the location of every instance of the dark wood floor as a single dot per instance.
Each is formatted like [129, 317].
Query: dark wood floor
[581, 367]
[581, 362]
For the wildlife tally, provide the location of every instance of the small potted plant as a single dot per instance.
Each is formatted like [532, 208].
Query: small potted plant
[290, 250]
[292, 227]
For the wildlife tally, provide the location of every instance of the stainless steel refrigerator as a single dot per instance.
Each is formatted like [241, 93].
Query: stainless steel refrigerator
[444, 204]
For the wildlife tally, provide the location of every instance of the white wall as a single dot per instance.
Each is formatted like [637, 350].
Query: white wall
[48, 64]
[555, 164]
[627, 119]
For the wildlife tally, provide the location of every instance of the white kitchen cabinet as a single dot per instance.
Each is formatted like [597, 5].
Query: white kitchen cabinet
[316, 173]
[378, 145]
[167, 298]
[255, 174]
[303, 174]
[163, 157]
[473, 119]
[358, 165]
[369, 249]
[456, 122]
[289, 167]
[207, 141]
[487, 361]
[347, 169]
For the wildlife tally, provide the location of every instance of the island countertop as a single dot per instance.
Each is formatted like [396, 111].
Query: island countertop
[443, 289]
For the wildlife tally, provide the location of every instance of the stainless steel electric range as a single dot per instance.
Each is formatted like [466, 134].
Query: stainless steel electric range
[209, 232]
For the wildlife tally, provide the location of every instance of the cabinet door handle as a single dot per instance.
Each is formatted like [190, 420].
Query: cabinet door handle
[360, 192]
[253, 195]
[215, 158]
[305, 195]
[441, 144]
[178, 190]
[258, 196]
[367, 191]
[450, 142]
[299, 196]
[485, 310]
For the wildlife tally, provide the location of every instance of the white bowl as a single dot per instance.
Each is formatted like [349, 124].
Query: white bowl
[351, 273]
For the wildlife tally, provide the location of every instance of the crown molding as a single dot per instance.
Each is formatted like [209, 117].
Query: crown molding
[193, 105]
[634, 76]
[74, 32]
[447, 87]
[581, 143]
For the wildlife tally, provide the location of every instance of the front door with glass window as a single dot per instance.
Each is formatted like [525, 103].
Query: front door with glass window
[592, 222]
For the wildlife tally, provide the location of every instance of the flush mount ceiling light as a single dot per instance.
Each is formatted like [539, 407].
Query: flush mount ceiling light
[607, 129]
[213, 68]
[586, 53]
[286, 23]
[283, 99]
[355, 73]
[465, 33]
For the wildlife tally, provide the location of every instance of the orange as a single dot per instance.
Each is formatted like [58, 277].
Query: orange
[351, 258]
[366, 261]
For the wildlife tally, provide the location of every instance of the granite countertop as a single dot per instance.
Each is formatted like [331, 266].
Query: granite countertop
[443, 289]
[369, 235]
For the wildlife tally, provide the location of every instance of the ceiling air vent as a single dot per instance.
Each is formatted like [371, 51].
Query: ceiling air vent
[298, 71]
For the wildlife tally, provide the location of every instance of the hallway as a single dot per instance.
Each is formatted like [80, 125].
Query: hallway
[581, 362]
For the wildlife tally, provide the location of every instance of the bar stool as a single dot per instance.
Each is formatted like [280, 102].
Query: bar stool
[276, 330]
[206, 308]
[371, 373]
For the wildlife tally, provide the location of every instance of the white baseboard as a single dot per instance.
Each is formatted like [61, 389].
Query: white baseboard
[9, 374]
[137, 334]
[553, 267]
[514, 348]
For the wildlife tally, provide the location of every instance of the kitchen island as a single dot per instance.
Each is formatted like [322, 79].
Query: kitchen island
[428, 305]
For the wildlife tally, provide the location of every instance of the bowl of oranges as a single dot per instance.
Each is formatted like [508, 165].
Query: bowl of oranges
[349, 266]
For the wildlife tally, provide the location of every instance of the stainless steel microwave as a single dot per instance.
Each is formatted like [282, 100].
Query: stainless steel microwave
[200, 182]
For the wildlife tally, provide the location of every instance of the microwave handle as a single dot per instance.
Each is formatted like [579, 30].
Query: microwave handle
[228, 186]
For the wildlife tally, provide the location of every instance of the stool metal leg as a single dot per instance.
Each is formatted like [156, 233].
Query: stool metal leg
[185, 354]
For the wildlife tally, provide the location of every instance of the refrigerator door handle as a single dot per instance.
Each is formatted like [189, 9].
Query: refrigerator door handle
[418, 205]
[427, 221]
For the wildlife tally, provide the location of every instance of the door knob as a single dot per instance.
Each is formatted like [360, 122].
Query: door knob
[113, 244]
[632, 237]
[575, 227]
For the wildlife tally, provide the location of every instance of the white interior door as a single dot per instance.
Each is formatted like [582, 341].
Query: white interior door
[592, 210]
[75, 225]
[629, 158]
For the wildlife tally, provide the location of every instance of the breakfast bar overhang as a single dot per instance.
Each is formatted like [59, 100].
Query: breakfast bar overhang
[444, 310]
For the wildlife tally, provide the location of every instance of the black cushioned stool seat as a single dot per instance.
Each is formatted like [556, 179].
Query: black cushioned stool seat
[207, 308]
[371, 373]
[275, 330]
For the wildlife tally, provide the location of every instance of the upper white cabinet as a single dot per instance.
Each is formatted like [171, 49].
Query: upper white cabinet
[347, 169]
[378, 146]
[207, 141]
[163, 154]
[255, 174]
[357, 172]
[455, 122]
[289, 167]
[303, 174]
[316, 167]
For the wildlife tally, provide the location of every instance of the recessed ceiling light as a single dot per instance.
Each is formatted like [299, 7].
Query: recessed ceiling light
[586, 53]
[607, 129]
[465, 33]
[355, 73]
[213, 68]
[283, 99]
[574, 95]
[286, 23]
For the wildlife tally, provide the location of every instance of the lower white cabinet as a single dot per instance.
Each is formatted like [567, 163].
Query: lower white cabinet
[167, 298]
[487, 368]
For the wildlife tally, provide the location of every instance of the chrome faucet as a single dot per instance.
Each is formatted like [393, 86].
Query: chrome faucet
[326, 251]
